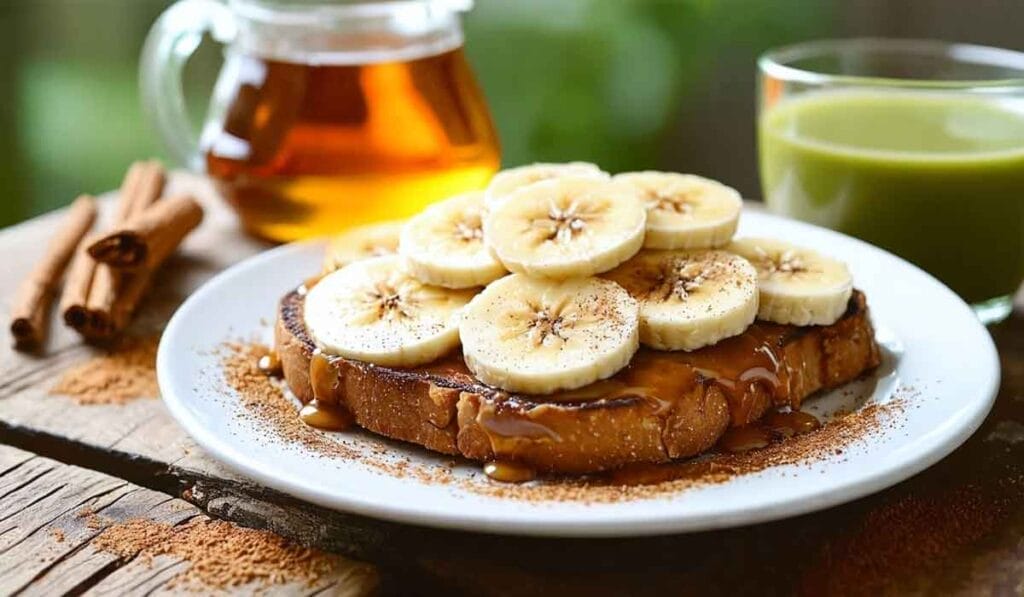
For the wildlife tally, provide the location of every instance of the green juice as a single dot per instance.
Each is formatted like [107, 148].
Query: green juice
[937, 179]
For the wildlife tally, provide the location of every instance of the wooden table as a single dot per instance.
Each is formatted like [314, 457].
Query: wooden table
[958, 527]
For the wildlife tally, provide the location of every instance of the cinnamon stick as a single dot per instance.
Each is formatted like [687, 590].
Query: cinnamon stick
[161, 228]
[127, 302]
[142, 186]
[76, 287]
[146, 238]
[106, 285]
[31, 309]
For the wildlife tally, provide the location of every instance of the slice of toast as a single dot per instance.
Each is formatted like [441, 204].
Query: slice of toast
[663, 406]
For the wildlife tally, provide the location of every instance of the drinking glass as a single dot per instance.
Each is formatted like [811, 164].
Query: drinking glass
[325, 114]
[915, 146]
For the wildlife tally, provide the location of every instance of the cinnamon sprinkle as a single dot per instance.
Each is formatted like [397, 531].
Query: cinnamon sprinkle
[909, 534]
[265, 403]
[221, 555]
[653, 481]
[93, 521]
[125, 372]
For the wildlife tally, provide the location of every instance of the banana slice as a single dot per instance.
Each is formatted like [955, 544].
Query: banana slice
[567, 227]
[798, 286]
[443, 245]
[685, 211]
[689, 299]
[372, 240]
[374, 311]
[534, 336]
[508, 181]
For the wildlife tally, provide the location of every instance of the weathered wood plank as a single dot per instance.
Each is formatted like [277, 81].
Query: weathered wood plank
[64, 561]
[48, 526]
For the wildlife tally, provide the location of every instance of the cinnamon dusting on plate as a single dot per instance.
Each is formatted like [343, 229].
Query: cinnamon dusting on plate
[265, 403]
[660, 480]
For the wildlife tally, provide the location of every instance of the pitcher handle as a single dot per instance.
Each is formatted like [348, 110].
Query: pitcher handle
[170, 43]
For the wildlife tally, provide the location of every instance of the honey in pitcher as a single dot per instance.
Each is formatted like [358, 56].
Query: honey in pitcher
[307, 149]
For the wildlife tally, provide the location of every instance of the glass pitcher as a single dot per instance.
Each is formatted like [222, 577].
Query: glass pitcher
[325, 115]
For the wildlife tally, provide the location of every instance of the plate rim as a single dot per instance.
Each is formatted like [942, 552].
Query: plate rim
[941, 441]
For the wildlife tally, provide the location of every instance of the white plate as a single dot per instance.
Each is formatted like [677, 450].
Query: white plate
[931, 340]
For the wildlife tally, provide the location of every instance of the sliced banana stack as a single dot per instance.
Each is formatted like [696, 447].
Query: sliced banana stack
[508, 181]
[689, 299]
[798, 286]
[685, 211]
[566, 227]
[372, 240]
[374, 311]
[443, 245]
[526, 335]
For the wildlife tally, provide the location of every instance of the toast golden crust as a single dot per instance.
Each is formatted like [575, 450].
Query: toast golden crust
[663, 406]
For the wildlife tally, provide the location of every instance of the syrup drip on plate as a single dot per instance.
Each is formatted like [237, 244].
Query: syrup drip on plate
[327, 410]
[773, 427]
[270, 364]
[509, 472]
[326, 417]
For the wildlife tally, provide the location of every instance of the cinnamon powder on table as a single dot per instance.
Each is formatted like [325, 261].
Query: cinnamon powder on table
[125, 372]
[221, 555]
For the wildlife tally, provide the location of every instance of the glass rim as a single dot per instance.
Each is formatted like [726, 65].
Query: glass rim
[774, 62]
[299, 12]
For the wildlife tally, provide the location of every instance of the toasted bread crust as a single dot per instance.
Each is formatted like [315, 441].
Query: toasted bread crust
[445, 409]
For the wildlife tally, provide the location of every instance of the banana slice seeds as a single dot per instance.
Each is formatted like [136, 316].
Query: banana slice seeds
[689, 299]
[443, 245]
[527, 335]
[566, 228]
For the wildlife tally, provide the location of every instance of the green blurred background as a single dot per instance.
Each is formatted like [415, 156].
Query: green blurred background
[629, 84]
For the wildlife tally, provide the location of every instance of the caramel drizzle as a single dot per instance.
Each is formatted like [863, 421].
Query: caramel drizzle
[327, 410]
[736, 366]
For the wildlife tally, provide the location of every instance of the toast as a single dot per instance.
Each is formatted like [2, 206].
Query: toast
[663, 406]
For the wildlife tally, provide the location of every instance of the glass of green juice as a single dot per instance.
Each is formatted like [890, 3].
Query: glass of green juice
[915, 146]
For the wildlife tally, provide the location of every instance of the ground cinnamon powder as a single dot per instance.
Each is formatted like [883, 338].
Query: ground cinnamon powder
[125, 372]
[907, 535]
[221, 555]
[264, 402]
